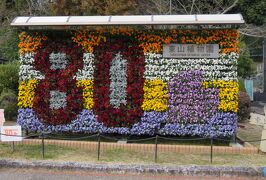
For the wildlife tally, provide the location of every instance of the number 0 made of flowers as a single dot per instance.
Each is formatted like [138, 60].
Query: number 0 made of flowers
[118, 83]
[58, 100]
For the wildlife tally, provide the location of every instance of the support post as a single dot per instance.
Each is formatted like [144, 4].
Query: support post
[13, 146]
[99, 145]
[156, 149]
[264, 65]
[42, 145]
[211, 149]
[263, 134]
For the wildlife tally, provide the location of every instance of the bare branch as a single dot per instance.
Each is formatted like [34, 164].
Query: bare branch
[191, 9]
[29, 7]
[198, 9]
[230, 7]
[182, 6]
[253, 35]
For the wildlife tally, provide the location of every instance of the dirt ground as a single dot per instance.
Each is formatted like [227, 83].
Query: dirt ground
[250, 132]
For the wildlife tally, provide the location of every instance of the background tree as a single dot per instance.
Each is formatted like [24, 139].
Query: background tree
[9, 89]
[93, 7]
[245, 66]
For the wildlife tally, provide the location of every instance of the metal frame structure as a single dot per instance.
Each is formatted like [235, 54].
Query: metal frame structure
[204, 19]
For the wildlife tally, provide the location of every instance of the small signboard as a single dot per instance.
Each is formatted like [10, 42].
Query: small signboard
[249, 88]
[11, 133]
[2, 117]
[191, 50]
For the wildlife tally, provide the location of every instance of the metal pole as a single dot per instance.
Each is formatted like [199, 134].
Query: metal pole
[13, 146]
[264, 65]
[170, 7]
[156, 148]
[99, 145]
[211, 149]
[42, 145]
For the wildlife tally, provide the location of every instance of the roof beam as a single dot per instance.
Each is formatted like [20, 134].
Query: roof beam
[206, 19]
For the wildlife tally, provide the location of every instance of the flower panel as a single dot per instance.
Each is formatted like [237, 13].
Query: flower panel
[155, 95]
[117, 81]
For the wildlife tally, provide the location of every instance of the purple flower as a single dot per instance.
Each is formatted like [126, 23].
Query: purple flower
[218, 125]
[188, 101]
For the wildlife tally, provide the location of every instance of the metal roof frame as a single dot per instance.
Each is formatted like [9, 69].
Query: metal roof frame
[199, 19]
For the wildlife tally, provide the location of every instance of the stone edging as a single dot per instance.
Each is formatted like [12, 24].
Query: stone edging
[217, 171]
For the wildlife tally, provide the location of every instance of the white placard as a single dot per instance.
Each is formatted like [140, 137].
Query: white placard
[191, 51]
[2, 117]
[11, 133]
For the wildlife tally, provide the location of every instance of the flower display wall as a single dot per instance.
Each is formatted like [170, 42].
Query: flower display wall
[117, 81]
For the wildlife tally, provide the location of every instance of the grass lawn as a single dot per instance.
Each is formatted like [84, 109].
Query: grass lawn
[56, 153]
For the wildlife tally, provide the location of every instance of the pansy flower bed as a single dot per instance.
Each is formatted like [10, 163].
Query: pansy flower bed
[117, 81]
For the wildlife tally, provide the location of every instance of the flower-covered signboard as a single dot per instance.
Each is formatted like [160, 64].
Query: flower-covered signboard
[117, 81]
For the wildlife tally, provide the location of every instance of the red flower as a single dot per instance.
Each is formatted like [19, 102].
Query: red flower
[61, 80]
[130, 113]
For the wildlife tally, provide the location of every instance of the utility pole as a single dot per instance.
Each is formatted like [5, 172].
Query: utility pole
[264, 65]
[170, 7]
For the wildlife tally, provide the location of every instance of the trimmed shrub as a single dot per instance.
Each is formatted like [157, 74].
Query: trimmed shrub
[11, 112]
[244, 106]
[9, 76]
[8, 102]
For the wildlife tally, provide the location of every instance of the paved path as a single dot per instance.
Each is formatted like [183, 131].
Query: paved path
[43, 174]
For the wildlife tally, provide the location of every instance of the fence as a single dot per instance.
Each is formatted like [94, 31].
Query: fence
[44, 137]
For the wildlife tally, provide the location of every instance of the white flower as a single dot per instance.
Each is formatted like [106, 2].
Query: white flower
[57, 100]
[58, 61]
[26, 69]
[118, 77]
[165, 68]
[88, 68]
[27, 58]
[27, 72]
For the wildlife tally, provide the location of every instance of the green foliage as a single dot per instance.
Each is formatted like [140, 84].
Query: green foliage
[241, 84]
[11, 112]
[254, 11]
[244, 106]
[9, 89]
[245, 66]
[7, 97]
[9, 76]
[8, 44]
[8, 101]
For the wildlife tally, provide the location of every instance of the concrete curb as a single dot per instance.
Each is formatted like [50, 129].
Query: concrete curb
[217, 171]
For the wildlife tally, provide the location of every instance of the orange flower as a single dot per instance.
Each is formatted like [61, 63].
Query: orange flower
[28, 43]
[153, 40]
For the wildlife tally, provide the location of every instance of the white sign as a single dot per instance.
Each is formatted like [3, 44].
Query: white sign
[2, 117]
[11, 133]
[191, 50]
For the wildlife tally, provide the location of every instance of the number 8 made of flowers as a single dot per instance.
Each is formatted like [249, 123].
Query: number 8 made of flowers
[58, 100]
[118, 82]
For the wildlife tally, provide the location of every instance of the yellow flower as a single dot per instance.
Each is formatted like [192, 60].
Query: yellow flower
[87, 94]
[155, 95]
[27, 93]
[228, 93]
